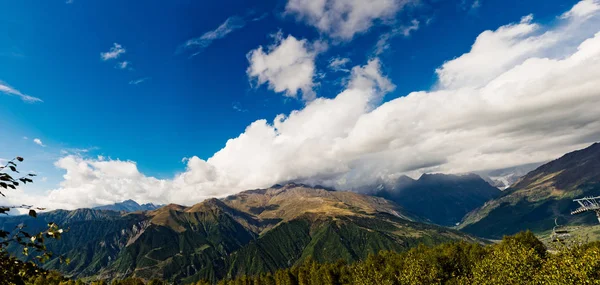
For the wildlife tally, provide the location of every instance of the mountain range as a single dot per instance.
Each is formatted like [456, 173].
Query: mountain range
[263, 230]
[540, 197]
[506, 177]
[247, 233]
[440, 198]
[129, 206]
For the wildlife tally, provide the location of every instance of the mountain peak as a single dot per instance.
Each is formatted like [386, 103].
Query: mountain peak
[442, 198]
[568, 172]
[541, 196]
[128, 205]
[293, 200]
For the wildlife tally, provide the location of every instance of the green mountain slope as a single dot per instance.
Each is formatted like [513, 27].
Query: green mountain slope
[541, 196]
[250, 232]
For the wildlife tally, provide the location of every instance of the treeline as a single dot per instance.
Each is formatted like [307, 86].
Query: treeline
[518, 259]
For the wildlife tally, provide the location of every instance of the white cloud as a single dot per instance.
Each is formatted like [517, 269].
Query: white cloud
[38, 142]
[534, 109]
[339, 64]
[287, 66]
[138, 81]
[343, 19]
[238, 107]
[123, 64]
[200, 43]
[495, 52]
[583, 9]
[404, 30]
[115, 51]
[8, 90]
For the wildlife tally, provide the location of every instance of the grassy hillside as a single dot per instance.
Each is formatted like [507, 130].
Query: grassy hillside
[541, 196]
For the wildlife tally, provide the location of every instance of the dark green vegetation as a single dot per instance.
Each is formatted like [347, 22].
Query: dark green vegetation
[518, 259]
[443, 199]
[245, 234]
[540, 196]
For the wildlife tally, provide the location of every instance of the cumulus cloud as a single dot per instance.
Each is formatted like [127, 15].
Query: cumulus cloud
[38, 142]
[494, 52]
[115, 51]
[287, 66]
[343, 19]
[583, 9]
[8, 90]
[535, 108]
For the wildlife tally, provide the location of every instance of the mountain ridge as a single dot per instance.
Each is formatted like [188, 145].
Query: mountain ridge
[128, 206]
[539, 197]
[441, 198]
[248, 233]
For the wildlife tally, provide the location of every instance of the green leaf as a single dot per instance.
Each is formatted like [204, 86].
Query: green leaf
[20, 159]
[13, 169]
[25, 180]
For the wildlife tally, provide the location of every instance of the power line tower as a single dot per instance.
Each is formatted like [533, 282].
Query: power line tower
[588, 204]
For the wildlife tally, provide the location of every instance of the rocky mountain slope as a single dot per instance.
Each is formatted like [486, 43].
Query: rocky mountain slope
[443, 199]
[251, 232]
[541, 196]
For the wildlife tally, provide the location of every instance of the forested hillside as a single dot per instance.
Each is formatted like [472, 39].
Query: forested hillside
[519, 259]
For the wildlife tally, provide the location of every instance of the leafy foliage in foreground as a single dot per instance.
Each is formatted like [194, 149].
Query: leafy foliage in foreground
[518, 259]
[13, 270]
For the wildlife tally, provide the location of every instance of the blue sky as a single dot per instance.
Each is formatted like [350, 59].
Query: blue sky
[191, 101]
